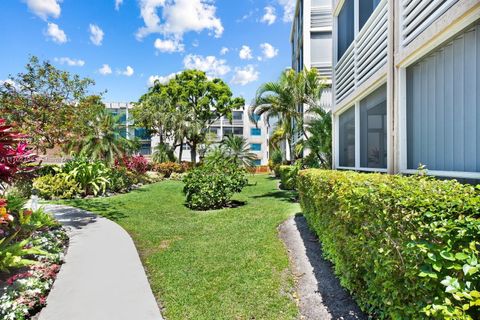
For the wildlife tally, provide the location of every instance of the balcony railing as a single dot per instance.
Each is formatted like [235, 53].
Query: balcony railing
[366, 55]
[417, 15]
[325, 69]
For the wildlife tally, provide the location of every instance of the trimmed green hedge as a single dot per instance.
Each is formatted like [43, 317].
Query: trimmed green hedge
[288, 177]
[406, 247]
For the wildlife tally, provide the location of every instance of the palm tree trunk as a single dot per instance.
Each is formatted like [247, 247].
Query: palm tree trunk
[193, 153]
[180, 153]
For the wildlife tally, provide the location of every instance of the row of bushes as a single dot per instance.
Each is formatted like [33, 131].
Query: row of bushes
[406, 247]
[288, 176]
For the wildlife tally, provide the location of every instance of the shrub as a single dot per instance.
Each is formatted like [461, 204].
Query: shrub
[137, 164]
[406, 247]
[167, 168]
[275, 161]
[93, 177]
[59, 186]
[212, 186]
[288, 176]
[120, 180]
[177, 176]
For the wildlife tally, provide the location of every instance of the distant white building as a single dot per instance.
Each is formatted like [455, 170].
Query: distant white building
[256, 134]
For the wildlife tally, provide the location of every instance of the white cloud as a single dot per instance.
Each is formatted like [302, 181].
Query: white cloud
[45, 8]
[244, 76]
[55, 33]
[288, 9]
[269, 17]
[105, 69]
[178, 17]
[268, 50]
[70, 62]
[9, 82]
[160, 79]
[245, 53]
[212, 66]
[224, 51]
[118, 3]
[127, 72]
[169, 46]
[96, 34]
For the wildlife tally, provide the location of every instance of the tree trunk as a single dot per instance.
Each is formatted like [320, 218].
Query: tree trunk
[180, 153]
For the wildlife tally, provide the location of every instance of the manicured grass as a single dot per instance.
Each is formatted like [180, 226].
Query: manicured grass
[223, 264]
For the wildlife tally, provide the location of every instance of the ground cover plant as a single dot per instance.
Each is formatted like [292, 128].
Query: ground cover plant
[221, 264]
[406, 247]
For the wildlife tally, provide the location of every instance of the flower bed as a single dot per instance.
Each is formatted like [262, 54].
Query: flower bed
[24, 291]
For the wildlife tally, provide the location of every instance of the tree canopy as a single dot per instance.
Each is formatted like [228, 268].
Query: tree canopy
[50, 105]
[182, 110]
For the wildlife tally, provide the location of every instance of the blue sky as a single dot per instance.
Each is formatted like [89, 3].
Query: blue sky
[123, 45]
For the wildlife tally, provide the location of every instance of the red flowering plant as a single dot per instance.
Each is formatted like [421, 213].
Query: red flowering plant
[137, 164]
[14, 154]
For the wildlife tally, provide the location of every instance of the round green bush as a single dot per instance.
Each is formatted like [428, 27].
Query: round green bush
[212, 186]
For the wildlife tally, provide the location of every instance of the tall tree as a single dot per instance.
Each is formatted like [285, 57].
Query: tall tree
[183, 109]
[44, 103]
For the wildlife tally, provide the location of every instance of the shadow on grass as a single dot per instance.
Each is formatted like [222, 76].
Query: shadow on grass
[282, 195]
[335, 298]
[109, 211]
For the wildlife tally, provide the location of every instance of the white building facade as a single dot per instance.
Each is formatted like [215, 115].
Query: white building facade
[406, 86]
[311, 43]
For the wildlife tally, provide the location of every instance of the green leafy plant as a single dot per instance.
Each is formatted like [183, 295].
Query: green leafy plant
[211, 186]
[12, 254]
[167, 168]
[288, 176]
[93, 177]
[59, 186]
[406, 247]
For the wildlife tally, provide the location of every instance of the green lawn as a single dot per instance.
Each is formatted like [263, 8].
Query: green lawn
[223, 264]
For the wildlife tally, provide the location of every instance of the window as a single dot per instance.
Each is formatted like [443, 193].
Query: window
[142, 134]
[214, 130]
[237, 115]
[256, 147]
[345, 30]
[255, 131]
[366, 8]
[123, 132]
[256, 117]
[257, 162]
[145, 148]
[238, 131]
[123, 118]
[321, 47]
[227, 131]
[347, 138]
[443, 106]
[373, 130]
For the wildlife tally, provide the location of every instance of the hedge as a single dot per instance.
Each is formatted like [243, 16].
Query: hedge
[405, 247]
[287, 176]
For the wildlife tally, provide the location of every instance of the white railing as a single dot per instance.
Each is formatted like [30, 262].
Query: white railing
[366, 55]
[321, 17]
[417, 15]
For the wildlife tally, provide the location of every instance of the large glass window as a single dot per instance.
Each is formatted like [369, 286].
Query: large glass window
[142, 134]
[366, 8]
[238, 131]
[255, 131]
[256, 147]
[321, 47]
[347, 138]
[237, 115]
[373, 130]
[346, 29]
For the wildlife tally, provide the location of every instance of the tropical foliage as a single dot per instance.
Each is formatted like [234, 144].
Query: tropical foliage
[406, 247]
[48, 104]
[183, 109]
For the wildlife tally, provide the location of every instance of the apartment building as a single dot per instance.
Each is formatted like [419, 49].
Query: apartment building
[128, 130]
[311, 43]
[241, 125]
[406, 86]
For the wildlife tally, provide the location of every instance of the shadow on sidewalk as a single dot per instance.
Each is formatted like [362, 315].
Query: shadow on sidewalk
[337, 301]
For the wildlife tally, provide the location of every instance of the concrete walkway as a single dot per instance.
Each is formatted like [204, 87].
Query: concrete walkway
[102, 277]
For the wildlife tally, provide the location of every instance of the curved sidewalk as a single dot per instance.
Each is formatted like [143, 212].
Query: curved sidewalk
[103, 277]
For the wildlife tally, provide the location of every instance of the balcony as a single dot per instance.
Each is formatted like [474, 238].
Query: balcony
[417, 15]
[365, 56]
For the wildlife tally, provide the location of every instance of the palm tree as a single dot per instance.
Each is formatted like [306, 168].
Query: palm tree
[238, 149]
[104, 142]
[163, 153]
[279, 100]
